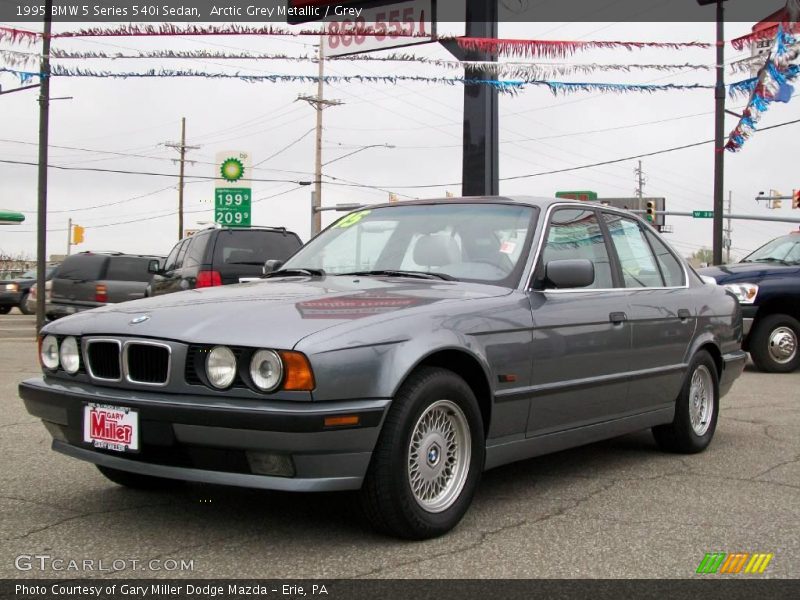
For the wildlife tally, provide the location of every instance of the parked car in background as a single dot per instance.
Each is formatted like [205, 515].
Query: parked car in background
[767, 284]
[402, 351]
[215, 256]
[15, 292]
[48, 287]
[91, 279]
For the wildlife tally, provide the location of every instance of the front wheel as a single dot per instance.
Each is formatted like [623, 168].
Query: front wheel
[428, 458]
[137, 481]
[774, 344]
[696, 410]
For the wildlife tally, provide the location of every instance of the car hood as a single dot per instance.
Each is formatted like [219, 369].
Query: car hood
[749, 272]
[275, 313]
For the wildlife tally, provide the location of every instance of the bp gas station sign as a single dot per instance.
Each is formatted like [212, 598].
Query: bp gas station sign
[232, 193]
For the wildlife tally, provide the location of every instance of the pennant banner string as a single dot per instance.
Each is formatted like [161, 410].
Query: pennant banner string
[558, 49]
[503, 85]
[769, 86]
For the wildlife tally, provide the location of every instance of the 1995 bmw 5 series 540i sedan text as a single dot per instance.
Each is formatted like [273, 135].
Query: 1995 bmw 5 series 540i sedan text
[401, 352]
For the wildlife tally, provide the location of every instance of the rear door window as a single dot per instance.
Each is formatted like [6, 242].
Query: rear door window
[639, 268]
[195, 255]
[253, 247]
[83, 267]
[128, 268]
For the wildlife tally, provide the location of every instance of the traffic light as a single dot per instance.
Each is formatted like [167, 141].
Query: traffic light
[777, 203]
[77, 234]
[650, 213]
[795, 198]
[393, 197]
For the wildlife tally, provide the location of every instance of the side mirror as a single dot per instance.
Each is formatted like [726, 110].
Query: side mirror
[271, 265]
[569, 273]
[154, 266]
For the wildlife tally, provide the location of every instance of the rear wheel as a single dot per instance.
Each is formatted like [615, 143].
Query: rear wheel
[774, 344]
[137, 481]
[23, 305]
[428, 459]
[696, 410]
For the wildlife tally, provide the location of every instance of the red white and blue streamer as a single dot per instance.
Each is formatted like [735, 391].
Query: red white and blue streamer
[769, 86]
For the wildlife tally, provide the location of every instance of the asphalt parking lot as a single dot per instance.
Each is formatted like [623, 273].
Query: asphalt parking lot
[614, 509]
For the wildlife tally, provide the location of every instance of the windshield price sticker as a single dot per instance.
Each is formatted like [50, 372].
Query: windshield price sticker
[352, 219]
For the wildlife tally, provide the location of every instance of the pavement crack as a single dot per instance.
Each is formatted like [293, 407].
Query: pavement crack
[84, 515]
[463, 548]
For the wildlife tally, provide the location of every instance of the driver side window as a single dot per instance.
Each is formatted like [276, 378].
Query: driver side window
[575, 233]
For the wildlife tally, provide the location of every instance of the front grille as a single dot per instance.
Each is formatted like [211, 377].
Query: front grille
[147, 363]
[104, 360]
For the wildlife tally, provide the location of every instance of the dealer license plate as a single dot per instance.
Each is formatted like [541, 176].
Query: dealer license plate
[111, 427]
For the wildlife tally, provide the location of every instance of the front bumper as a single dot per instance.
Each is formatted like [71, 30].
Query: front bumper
[204, 439]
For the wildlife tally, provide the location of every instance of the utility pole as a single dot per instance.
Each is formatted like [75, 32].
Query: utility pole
[182, 148]
[319, 103]
[44, 125]
[639, 191]
[727, 242]
[69, 235]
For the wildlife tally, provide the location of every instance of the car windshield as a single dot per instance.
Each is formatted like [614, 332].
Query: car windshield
[783, 250]
[479, 242]
[28, 275]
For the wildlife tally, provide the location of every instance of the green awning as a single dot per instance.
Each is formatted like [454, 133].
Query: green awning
[8, 217]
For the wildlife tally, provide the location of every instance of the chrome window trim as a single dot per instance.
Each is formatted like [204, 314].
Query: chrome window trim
[594, 207]
[88, 363]
[126, 372]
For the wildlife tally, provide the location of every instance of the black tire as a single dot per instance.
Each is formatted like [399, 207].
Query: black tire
[23, 305]
[4, 310]
[680, 436]
[387, 498]
[137, 481]
[764, 336]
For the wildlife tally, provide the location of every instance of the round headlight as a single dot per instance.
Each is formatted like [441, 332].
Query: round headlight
[49, 352]
[70, 356]
[221, 367]
[266, 370]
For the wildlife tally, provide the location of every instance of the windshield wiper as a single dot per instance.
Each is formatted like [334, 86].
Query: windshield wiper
[303, 271]
[399, 273]
[771, 259]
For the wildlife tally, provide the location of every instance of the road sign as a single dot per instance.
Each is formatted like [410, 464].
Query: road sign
[232, 193]
[380, 26]
[703, 214]
[232, 207]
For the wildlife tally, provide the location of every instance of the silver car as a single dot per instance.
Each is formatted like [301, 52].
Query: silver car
[401, 352]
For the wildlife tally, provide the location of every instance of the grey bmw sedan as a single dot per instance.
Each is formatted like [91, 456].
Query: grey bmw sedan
[401, 352]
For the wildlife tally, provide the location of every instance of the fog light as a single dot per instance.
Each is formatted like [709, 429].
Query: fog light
[268, 463]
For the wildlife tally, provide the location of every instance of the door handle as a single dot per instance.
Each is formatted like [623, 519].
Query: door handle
[684, 314]
[617, 317]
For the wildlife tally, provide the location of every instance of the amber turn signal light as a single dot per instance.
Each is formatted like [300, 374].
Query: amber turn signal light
[297, 371]
[341, 421]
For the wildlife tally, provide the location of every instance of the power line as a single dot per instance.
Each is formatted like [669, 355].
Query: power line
[285, 148]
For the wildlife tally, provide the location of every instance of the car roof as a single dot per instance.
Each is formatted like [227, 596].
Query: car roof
[543, 202]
